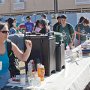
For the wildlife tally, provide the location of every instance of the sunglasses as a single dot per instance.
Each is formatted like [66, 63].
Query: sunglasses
[5, 32]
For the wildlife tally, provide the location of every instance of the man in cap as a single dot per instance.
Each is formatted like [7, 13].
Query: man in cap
[44, 18]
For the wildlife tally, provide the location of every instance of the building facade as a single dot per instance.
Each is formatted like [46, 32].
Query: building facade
[29, 6]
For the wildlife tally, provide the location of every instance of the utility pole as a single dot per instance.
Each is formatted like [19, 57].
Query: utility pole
[54, 16]
[11, 6]
[55, 6]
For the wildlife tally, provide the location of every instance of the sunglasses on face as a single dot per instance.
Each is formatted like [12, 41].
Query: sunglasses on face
[5, 32]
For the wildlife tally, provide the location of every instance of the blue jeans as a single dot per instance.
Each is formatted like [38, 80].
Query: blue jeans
[4, 79]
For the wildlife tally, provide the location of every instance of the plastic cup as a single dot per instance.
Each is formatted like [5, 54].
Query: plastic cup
[41, 72]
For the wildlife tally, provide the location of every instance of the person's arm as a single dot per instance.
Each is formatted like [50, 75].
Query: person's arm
[77, 28]
[78, 35]
[23, 56]
[72, 36]
[72, 40]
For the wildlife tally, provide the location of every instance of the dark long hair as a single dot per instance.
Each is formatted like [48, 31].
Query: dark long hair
[81, 19]
[2, 25]
[10, 23]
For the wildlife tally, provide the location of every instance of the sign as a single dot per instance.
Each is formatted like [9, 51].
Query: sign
[82, 2]
[19, 6]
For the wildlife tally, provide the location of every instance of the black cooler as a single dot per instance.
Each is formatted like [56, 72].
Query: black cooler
[60, 56]
[43, 50]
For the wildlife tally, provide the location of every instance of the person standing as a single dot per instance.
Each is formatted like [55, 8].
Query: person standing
[67, 31]
[56, 25]
[11, 27]
[23, 56]
[43, 27]
[44, 17]
[81, 30]
[47, 23]
[29, 24]
[81, 20]
[37, 26]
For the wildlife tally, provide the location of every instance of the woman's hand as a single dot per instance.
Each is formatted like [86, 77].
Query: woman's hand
[28, 44]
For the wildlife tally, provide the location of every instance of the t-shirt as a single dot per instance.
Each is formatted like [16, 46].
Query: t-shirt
[55, 27]
[29, 26]
[67, 33]
[37, 29]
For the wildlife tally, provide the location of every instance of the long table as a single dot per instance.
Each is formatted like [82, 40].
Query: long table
[75, 77]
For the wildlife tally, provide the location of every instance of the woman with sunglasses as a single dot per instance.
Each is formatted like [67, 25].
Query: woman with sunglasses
[4, 72]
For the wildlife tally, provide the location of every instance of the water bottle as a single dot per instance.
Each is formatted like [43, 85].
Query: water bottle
[30, 74]
[30, 67]
[69, 53]
[68, 50]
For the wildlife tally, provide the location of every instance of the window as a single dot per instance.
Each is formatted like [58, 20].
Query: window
[19, 1]
[1, 1]
[79, 2]
[19, 5]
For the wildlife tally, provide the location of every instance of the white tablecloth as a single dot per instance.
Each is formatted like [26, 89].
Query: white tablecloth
[74, 77]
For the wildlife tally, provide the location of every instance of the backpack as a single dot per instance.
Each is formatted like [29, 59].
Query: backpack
[12, 60]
